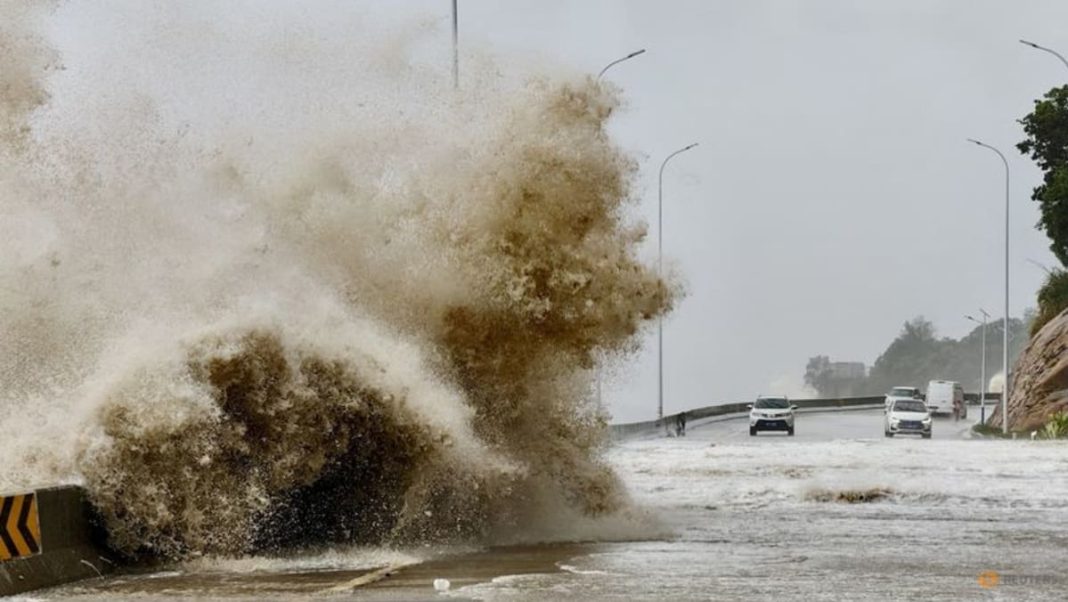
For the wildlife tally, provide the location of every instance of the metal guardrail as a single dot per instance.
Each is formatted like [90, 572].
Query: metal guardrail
[973, 398]
[623, 431]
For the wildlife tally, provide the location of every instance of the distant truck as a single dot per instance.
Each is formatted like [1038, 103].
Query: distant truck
[941, 395]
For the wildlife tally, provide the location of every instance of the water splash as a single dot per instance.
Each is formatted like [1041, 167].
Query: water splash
[281, 298]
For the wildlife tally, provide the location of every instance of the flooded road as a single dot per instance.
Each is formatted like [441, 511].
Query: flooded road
[837, 512]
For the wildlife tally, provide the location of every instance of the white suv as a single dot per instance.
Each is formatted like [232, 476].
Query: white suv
[908, 416]
[771, 414]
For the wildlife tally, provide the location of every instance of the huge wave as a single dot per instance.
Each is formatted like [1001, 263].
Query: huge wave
[265, 287]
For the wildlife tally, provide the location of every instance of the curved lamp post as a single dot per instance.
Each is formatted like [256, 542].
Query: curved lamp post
[659, 276]
[1005, 329]
[606, 68]
[1044, 49]
[618, 61]
[455, 47]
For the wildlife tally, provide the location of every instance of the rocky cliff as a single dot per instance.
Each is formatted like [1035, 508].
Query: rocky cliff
[1040, 378]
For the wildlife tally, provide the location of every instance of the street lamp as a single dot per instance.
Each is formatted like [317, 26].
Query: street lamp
[1005, 334]
[455, 47]
[1044, 49]
[618, 61]
[606, 68]
[982, 368]
[660, 280]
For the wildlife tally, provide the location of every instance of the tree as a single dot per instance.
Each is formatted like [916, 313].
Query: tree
[1052, 299]
[917, 356]
[1047, 143]
[818, 374]
[911, 357]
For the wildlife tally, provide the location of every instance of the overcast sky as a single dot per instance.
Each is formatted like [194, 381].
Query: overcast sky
[833, 195]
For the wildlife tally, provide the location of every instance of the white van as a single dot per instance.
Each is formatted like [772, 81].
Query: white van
[942, 393]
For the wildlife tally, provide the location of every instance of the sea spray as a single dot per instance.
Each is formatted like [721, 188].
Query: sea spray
[24, 57]
[258, 435]
[365, 309]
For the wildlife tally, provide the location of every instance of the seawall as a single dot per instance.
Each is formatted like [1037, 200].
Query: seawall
[47, 538]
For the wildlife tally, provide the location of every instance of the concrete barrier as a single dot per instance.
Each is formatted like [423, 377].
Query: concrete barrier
[47, 538]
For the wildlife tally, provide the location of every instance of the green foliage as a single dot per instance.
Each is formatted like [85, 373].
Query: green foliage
[990, 430]
[1056, 428]
[1047, 143]
[1052, 299]
[918, 356]
[909, 358]
[916, 341]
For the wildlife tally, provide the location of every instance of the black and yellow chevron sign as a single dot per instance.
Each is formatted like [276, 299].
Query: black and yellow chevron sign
[20, 532]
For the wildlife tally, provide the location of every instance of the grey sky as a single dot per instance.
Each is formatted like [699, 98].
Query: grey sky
[833, 195]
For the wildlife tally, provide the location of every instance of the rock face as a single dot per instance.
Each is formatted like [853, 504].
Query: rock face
[1040, 378]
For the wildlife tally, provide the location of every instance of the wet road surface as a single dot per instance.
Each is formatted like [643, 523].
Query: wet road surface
[837, 512]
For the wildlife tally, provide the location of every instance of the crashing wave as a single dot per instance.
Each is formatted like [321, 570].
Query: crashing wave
[372, 321]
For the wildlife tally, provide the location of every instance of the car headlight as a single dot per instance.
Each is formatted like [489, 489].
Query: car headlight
[927, 420]
[895, 420]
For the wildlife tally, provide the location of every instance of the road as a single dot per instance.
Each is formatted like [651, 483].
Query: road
[837, 512]
[827, 426]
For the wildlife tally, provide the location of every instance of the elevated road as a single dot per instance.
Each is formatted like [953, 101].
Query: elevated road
[828, 426]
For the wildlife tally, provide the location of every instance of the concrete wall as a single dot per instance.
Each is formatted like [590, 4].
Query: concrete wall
[68, 549]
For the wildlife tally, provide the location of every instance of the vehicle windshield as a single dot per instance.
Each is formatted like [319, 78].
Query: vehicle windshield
[903, 392]
[773, 403]
[910, 406]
